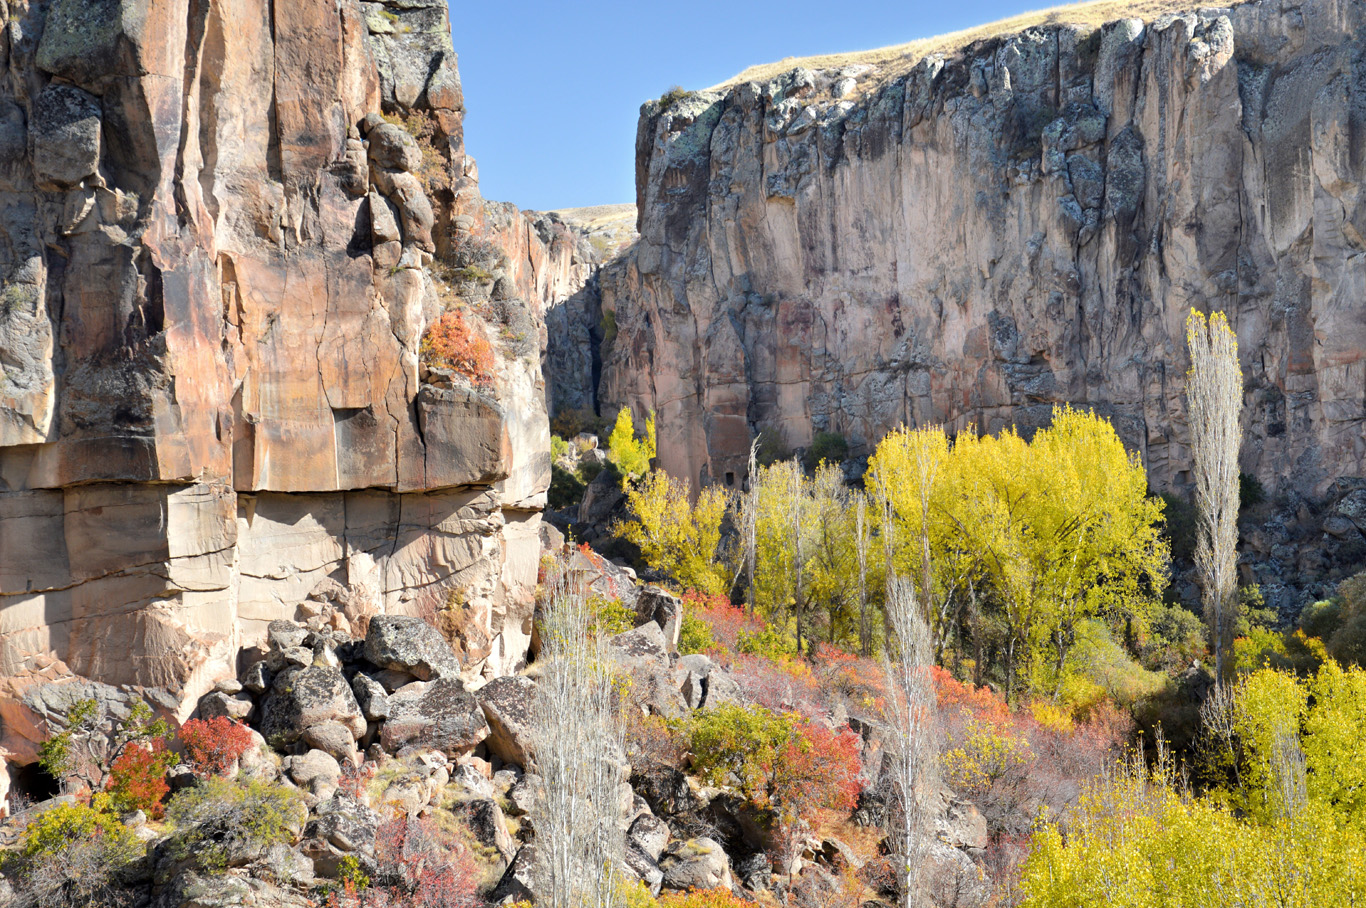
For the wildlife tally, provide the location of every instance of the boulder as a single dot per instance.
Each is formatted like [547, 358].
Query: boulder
[507, 705]
[372, 697]
[342, 825]
[403, 643]
[951, 878]
[664, 609]
[487, 823]
[699, 863]
[257, 677]
[218, 704]
[650, 834]
[962, 825]
[515, 884]
[65, 131]
[755, 871]
[332, 738]
[315, 771]
[440, 716]
[644, 867]
[303, 697]
[522, 796]
[643, 646]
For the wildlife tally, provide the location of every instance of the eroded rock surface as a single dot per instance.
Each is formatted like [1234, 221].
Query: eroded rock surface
[1027, 222]
[223, 235]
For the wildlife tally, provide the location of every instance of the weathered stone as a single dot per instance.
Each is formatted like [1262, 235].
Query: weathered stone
[515, 884]
[507, 704]
[400, 643]
[342, 826]
[650, 834]
[663, 608]
[699, 863]
[332, 738]
[442, 716]
[217, 705]
[304, 697]
[644, 646]
[65, 131]
[644, 867]
[315, 771]
[486, 821]
[371, 696]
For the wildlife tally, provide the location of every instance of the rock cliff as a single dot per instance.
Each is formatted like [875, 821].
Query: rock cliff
[972, 238]
[226, 227]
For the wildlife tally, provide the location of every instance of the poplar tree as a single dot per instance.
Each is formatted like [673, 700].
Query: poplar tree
[1214, 395]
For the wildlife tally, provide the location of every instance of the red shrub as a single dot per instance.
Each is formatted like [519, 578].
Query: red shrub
[819, 768]
[861, 682]
[214, 745]
[137, 779]
[727, 621]
[452, 343]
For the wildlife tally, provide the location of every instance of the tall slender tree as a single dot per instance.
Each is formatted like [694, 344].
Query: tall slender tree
[578, 752]
[1214, 394]
[911, 716]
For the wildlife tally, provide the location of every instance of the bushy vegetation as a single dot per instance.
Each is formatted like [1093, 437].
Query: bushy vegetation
[451, 342]
[222, 822]
[675, 534]
[1282, 820]
[631, 453]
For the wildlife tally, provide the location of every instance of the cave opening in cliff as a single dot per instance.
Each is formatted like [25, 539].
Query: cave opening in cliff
[32, 784]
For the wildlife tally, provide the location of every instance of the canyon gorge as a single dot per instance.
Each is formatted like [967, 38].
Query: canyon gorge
[228, 226]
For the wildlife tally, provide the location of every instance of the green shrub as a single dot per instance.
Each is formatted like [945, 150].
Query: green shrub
[1180, 530]
[694, 635]
[54, 830]
[826, 447]
[566, 488]
[558, 447]
[74, 856]
[609, 617]
[671, 97]
[770, 643]
[1250, 491]
[221, 821]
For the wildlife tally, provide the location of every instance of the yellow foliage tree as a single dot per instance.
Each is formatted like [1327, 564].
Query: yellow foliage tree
[631, 455]
[676, 537]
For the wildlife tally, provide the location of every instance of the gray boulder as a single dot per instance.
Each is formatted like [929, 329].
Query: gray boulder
[303, 697]
[507, 705]
[65, 131]
[644, 867]
[342, 826]
[488, 825]
[515, 884]
[650, 834]
[217, 704]
[643, 647]
[406, 644]
[664, 609]
[372, 697]
[439, 716]
[699, 863]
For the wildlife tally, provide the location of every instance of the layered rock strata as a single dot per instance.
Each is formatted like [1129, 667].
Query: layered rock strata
[977, 237]
[216, 270]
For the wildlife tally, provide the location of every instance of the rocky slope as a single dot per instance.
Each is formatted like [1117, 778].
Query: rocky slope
[1022, 223]
[217, 264]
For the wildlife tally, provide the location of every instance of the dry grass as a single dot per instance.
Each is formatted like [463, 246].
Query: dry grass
[899, 58]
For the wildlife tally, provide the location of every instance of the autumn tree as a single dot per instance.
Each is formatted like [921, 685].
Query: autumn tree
[630, 454]
[1214, 395]
[910, 713]
[676, 536]
[578, 753]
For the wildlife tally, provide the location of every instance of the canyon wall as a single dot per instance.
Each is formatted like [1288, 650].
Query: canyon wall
[982, 235]
[217, 265]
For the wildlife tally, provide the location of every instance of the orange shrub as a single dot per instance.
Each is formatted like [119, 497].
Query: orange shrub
[452, 343]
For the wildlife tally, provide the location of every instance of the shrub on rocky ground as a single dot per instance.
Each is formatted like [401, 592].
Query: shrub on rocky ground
[451, 342]
[214, 746]
[74, 856]
[226, 822]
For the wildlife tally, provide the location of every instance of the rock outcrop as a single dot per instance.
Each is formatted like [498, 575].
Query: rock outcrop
[226, 228]
[971, 239]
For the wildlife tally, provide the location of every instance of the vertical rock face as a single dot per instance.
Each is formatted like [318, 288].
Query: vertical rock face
[1026, 222]
[214, 283]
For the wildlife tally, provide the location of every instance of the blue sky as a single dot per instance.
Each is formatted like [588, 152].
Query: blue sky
[553, 89]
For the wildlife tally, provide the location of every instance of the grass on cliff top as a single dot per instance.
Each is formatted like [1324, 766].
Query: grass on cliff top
[900, 57]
